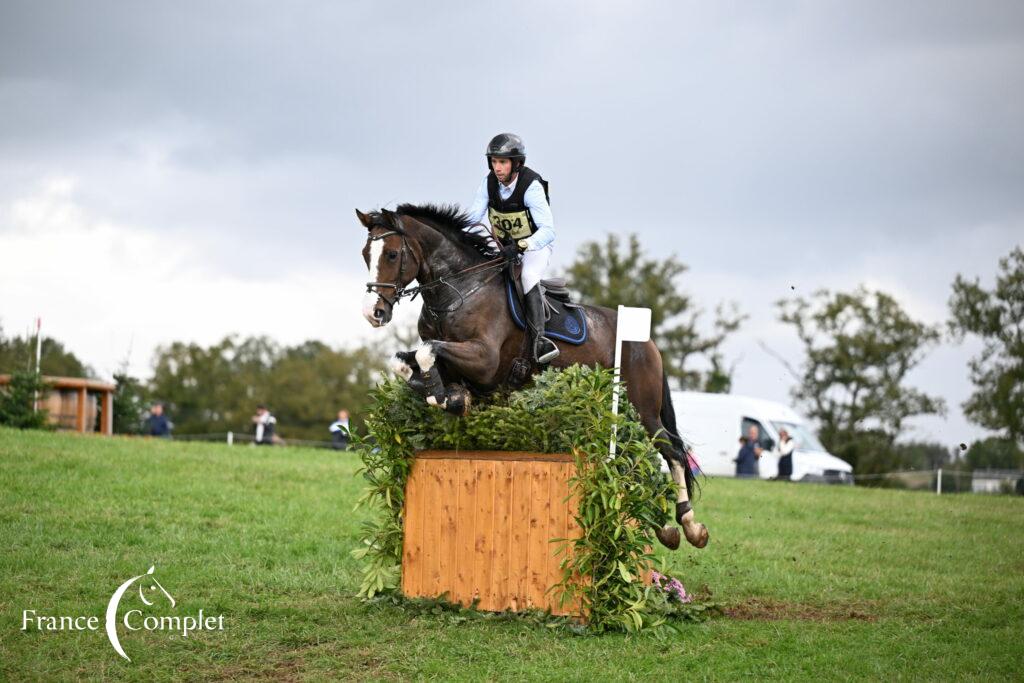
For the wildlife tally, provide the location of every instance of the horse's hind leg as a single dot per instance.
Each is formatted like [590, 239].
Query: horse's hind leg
[696, 533]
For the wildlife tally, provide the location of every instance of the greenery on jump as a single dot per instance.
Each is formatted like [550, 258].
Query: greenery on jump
[569, 411]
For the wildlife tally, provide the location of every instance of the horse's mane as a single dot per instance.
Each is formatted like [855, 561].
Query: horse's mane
[452, 222]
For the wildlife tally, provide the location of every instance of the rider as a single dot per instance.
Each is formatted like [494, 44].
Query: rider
[515, 199]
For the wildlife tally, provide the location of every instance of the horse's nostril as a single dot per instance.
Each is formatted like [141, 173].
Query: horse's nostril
[378, 313]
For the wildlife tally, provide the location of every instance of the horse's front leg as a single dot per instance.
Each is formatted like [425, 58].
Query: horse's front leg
[472, 360]
[405, 366]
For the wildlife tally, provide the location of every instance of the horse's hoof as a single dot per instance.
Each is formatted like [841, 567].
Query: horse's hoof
[668, 536]
[458, 401]
[700, 538]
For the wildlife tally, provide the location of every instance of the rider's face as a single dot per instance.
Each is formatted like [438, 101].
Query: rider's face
[502, 169]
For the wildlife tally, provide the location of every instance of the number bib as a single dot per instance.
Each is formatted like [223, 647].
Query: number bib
[509, 226]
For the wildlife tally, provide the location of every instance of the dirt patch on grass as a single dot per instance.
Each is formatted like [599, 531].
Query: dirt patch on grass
[756, 609]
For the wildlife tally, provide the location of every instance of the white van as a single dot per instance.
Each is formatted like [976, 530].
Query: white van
[713, 423]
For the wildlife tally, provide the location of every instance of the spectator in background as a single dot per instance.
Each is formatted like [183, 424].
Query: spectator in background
[786, 446]
[750, 452]
[157, 423]
[339, 431]
[264, 425]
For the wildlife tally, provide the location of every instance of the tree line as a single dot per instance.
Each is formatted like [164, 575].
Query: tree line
[858, 350]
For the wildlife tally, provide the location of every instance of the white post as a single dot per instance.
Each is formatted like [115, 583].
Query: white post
[632, 324]
[938, 483]
[39, 360]
[231, 438]
[615, 392]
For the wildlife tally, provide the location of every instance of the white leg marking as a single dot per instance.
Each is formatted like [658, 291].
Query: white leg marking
[425, 357]
[679, 477]
[370, 300]
[695, 532]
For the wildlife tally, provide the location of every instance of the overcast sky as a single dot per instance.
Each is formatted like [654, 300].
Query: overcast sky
[181, 171]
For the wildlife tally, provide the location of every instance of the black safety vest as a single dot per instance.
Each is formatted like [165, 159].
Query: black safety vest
[510, 219]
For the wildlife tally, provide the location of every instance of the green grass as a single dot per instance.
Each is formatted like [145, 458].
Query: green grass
[818, 582]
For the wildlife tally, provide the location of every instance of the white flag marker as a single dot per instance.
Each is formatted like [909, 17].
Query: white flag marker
[634, 324]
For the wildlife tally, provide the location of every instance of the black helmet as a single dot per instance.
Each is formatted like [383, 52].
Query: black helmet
[506, 146]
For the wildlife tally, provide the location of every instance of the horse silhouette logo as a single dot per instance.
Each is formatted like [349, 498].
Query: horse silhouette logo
[151, 585]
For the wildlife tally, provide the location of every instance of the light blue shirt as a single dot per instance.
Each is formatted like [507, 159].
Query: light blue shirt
[536, 202]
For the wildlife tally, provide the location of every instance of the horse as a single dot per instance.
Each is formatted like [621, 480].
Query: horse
[471, 345]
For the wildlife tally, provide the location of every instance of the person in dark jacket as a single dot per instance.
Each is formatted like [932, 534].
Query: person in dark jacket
[750, 453]
[786, 448]
[157, 423]
[263, 424]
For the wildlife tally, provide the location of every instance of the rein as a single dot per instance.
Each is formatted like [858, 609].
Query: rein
[497, 265]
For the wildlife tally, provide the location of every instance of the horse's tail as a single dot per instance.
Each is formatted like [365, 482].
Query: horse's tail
[680, 450]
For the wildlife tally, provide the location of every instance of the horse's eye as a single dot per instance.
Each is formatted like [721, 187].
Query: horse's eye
[392, 255]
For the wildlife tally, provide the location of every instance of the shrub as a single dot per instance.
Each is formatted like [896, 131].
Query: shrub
[17, 399]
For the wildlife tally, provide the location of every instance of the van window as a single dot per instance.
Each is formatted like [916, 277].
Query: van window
[764, 441]
[804, 437]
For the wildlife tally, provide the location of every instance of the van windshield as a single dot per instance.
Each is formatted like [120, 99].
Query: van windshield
[805, 438]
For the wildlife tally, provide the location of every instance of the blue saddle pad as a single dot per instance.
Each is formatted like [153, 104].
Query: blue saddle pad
[567, 323]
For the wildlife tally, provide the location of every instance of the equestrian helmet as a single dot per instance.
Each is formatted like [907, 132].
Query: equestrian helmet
[506, 146]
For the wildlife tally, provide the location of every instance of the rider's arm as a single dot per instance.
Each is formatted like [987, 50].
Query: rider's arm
[540, 211]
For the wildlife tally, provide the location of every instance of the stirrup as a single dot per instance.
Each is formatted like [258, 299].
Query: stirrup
[549, 355]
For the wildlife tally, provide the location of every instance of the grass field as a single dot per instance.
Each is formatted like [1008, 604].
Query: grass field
[816, 582]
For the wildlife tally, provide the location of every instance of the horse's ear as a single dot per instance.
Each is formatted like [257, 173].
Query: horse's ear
[363, 218]
[392, 219]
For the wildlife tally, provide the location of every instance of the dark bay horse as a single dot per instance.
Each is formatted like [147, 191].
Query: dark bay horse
[470, 342]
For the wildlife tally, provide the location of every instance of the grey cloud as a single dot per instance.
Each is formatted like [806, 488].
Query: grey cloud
[738, 135]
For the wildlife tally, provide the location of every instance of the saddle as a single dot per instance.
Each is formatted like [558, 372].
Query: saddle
[565, 320]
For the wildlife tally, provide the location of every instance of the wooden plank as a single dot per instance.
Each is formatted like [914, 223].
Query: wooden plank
[573, 529]
[462, 587]
[504, 479]
[536, 585]
[483, 531]
[430, 495]
[448, 524]
[519, 531]
[558, 528]
[412, 528]
[495, 455]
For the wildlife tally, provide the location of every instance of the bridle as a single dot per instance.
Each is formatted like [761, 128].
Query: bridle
[498, 265]
[400, 291]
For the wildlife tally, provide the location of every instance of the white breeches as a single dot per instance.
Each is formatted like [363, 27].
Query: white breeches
[535, 265]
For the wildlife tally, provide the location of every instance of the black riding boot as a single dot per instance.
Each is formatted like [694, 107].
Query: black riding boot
[544, 350]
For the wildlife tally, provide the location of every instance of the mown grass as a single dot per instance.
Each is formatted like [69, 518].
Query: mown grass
[817, 582]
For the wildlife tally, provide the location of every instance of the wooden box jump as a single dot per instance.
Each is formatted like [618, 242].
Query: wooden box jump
[479, 526]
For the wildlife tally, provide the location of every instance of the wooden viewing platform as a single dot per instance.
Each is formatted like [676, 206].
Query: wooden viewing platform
[76, 403]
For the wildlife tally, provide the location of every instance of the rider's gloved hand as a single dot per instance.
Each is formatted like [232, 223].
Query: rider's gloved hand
[510, 251]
